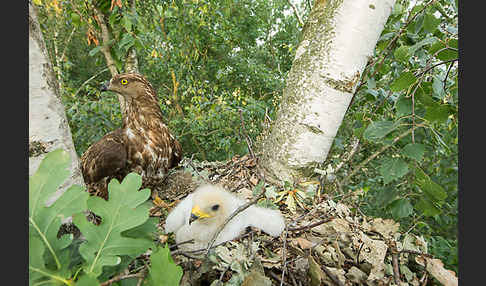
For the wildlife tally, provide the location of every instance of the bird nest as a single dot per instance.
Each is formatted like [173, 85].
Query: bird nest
[324, 242]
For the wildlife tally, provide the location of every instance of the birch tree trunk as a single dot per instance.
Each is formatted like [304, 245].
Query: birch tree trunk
[48, 125]
[337, 41]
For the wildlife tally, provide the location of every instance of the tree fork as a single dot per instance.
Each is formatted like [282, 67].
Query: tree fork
[337, 41]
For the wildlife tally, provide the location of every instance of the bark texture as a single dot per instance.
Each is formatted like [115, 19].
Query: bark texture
[48, 125]
[337, 41]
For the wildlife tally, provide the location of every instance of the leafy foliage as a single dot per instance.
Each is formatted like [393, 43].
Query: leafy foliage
[44, 222]
[123, 211]
[124, 233]
[163, 271]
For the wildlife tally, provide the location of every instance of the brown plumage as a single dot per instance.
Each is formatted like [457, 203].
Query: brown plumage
[144, 144]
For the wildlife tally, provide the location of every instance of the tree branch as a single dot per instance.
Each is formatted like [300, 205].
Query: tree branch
[296, 12]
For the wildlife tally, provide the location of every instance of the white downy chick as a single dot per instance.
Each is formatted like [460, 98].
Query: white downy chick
[200, 214]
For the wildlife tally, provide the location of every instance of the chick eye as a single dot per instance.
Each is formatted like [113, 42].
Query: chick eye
[123, 81]
[215, 207]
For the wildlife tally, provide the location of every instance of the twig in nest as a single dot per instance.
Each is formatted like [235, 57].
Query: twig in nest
[204, 249]
[284, 255]
[236, 212]
[293, 278]
[416, 252]
[276, 277]
[195, 169]
[247, 138]
[359, 251]
[121, 277]
[142, 278]
[396, 271]
[311, 225]
[171, 247]
[332, 276]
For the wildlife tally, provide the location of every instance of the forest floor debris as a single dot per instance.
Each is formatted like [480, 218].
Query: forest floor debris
[325, 242]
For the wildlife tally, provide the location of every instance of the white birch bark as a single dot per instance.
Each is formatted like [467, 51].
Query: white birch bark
[337, 41]
[48, 125]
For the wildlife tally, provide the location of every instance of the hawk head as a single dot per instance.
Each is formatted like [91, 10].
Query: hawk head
[130, 86]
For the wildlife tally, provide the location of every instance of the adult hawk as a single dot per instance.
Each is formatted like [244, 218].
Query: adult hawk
[143, 145]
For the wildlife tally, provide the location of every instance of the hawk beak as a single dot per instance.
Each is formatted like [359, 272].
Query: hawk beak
[197, 213]
[104, 86]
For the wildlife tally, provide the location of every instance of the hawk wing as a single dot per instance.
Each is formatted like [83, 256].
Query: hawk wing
[176, 153]
[104, 158]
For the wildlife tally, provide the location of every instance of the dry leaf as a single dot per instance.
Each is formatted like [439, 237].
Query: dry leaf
[436, 268]
[159, 202]
[302, 243]
[316, 273]
[254, 180]
[163, 238]
[115, 2]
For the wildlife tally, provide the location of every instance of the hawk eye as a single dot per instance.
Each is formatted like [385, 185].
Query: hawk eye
[123, 81]
[215, 207]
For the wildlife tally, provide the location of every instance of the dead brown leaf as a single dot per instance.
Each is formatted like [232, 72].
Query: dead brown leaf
[436, 268]
[302, 243]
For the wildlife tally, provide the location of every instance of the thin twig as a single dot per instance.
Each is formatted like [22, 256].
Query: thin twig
[171, 247]
[121, 277]
[354, 148]
[284, 256]
[444, 82]
[247, 138]
[396, 271]
[296, 12]
[332, 276]
[311, 225]
[276, 277]
[88, 80]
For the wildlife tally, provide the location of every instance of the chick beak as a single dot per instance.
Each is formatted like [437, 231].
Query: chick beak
[197, 213]
[104, 86]
[193, 218]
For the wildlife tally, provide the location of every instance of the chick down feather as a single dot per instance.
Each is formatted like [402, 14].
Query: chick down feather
[210, 206]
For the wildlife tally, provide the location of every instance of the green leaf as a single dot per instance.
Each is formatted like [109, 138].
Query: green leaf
[163, 270]
[437, 113]
[393, 168]
[447, 54]
[427, 207]
[414, 150]
[44, 222]
[433, 190]
[385, 196]
[36, 260]
[401, 208]
[427, 41]
[87, 280]
[145, 230]
[126, 42]
[123, 211]
[404, 81]
[127, 23]
[403, 106]
[430, 23]
[94, 51]
[402, 54]
[437, 87]
[378, 130]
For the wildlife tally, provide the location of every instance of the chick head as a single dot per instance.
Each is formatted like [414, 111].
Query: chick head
[209, 205]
